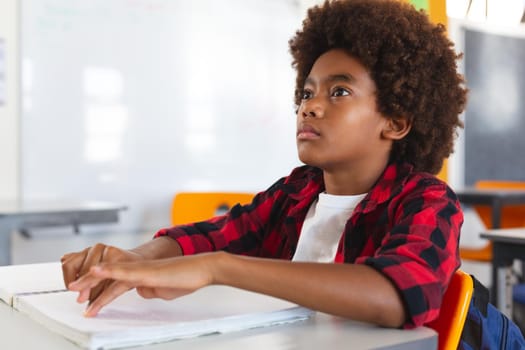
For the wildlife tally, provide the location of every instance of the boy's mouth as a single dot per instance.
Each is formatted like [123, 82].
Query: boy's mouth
[306, 131]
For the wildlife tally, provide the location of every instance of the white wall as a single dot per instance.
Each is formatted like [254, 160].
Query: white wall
[9, 111]
[129, 103]
[304, 5]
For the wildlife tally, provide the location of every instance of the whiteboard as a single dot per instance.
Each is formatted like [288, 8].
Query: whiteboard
[495, 113]
[135, 100]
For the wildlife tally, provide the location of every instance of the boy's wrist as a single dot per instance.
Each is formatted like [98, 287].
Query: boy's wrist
[159, 248]
[219, 266]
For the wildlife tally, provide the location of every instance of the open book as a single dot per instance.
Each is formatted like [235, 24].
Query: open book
[131, 320]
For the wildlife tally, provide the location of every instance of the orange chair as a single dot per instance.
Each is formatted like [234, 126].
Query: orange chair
[190, 207]
[511, 216]
[454, 309]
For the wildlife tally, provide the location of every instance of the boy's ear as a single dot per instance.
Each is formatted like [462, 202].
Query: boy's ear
[396, 128]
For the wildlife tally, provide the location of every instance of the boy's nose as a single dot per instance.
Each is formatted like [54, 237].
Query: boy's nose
[312, 109]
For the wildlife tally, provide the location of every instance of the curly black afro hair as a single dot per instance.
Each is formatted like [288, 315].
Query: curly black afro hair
[411, 61]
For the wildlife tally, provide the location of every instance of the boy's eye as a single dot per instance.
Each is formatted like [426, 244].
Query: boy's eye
[340, 92]
[307, 94]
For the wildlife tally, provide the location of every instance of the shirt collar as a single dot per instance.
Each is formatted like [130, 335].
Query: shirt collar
[388, 185]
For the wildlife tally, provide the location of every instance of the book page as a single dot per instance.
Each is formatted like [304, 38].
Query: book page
[30, 278]
[132, 320]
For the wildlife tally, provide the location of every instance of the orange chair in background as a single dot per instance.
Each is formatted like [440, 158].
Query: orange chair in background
[454, 309]
[511, 216]
[190, 207]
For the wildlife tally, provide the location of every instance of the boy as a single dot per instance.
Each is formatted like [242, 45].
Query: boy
[378, 99]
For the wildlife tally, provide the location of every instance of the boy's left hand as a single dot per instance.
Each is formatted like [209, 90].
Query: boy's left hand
[165, 279]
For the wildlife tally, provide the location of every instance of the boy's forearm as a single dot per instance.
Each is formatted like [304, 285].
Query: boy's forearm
[159, 248]
[353, 291]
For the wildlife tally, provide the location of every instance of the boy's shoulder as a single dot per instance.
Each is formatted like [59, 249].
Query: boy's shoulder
[400, 184]
[401, 175]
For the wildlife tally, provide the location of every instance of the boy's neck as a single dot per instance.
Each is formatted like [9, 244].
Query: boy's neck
[353, 180]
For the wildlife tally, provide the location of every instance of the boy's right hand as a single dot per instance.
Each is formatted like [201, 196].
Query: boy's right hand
[75, 265]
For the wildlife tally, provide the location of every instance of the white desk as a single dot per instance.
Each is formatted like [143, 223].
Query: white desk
[320, 332]
[508, 245]
[24, 215]
[497, 199]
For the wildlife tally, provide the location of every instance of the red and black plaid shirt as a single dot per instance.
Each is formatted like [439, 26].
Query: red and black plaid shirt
[407, 227]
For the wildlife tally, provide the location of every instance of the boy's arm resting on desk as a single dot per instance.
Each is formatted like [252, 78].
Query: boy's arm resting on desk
[354, 291]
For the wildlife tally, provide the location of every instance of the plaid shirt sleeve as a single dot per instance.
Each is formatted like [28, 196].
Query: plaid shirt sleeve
[219, 233]
[240, 231]
[419, 252]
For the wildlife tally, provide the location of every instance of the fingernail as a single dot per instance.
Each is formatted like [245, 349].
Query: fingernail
[87, 312]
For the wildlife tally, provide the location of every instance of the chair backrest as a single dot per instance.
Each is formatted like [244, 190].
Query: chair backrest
[454, 309]
[190, 207]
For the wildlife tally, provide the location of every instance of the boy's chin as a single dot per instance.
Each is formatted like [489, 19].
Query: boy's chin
[309, 161]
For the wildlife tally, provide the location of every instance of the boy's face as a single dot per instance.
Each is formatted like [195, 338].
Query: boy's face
[338, 125]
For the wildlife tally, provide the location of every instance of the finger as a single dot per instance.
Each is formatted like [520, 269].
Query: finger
[162, 293]
[71, 265]
[83, 296]
[85, 290]
[108, 255]
[146, 292]
[87, 281]
[66, 257]
[98, 289]
[91, 284]
[130, 272]
[94, 257]
[109, 294]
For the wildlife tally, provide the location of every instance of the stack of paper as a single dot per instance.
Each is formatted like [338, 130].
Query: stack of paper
[28, 279]
[131, 320]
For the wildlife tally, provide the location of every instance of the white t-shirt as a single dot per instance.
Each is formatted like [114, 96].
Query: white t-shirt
[323, 227]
